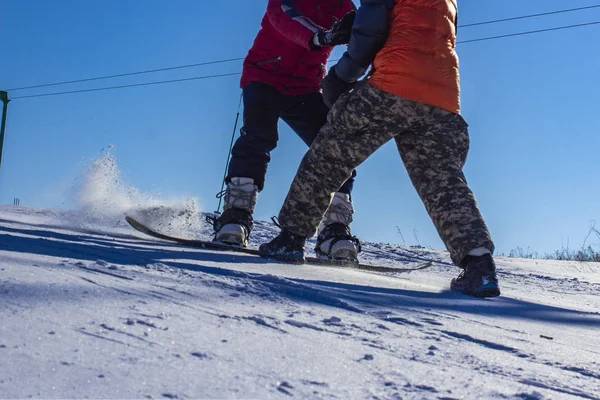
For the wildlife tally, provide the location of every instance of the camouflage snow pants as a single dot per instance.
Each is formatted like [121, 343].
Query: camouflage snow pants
[433, 144]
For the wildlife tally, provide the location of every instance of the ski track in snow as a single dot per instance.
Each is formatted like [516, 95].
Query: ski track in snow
[101, 311]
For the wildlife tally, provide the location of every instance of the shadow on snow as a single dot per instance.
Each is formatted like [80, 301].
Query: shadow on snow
[352, 297]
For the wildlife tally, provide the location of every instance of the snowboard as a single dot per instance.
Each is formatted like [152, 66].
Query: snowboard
[309, 260]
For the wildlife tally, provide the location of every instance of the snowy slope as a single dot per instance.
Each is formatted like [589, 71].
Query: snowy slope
[89, 308]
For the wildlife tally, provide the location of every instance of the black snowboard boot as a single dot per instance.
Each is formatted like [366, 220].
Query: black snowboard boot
[233, 227]
[336, 243]
[235, 224]
[285, 247]
[478, 277]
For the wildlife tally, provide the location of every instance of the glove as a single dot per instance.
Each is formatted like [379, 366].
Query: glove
[338, 34]
[333, 87]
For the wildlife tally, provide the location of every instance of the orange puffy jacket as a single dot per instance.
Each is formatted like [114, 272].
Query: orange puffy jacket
[418, 61]
[411, 45]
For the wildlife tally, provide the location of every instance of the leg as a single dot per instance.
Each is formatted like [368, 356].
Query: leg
[248, 167]
[306, 115]
[359, 124]
[434, 156]
[251, 153]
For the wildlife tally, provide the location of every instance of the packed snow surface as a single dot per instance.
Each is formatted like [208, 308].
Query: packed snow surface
[90, 308]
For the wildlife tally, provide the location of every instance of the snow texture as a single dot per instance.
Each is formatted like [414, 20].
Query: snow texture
[90, 308]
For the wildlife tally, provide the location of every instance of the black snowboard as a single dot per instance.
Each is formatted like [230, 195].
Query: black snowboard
[309, 260]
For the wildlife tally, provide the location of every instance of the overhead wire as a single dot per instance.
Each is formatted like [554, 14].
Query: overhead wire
[495, 21]
[462, 26]
[128, 74]
[127, 86]
[241, 58]
[527, 33]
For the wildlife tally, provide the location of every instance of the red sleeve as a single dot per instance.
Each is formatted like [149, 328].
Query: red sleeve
[350, 6]
[290, 23]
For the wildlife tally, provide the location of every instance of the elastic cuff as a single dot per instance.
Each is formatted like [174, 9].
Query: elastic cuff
[314, 42]
[479, 251]
[460, 256]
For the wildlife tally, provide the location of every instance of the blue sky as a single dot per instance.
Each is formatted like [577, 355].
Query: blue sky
[531, 101]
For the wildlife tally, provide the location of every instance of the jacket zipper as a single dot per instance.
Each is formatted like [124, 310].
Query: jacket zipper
[273, 60]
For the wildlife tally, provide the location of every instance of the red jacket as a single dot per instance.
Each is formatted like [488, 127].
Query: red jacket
[282, 56]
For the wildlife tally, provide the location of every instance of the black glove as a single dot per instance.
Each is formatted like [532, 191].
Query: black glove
[338, 34]
[333, 87]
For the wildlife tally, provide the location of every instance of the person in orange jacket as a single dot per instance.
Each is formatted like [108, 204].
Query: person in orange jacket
[413, 97]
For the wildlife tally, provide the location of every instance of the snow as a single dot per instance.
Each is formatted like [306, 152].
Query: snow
[90, 308]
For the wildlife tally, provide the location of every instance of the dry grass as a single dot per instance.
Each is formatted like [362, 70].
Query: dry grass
[587, 252]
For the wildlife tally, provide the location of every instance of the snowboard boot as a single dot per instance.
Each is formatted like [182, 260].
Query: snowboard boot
[336, 243]
[334, 240]
[478, 277]
[233, 227]
[284, 247]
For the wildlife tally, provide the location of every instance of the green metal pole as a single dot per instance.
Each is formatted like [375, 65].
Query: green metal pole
[237, 118]
[5, 100]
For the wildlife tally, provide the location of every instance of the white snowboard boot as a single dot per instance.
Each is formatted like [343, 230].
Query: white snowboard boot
[334, 241]
[235, 224]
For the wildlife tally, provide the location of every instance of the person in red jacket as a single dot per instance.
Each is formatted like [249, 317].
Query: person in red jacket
[281, 79]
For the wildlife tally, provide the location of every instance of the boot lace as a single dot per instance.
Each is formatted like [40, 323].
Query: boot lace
[337, 232]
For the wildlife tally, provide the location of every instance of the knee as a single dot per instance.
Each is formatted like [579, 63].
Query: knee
[256, 140]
